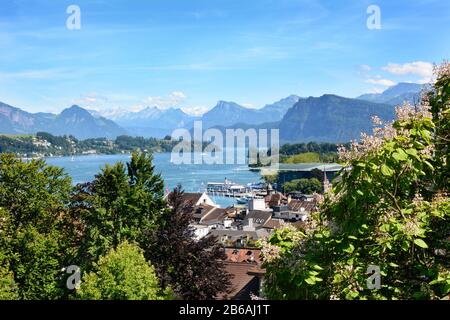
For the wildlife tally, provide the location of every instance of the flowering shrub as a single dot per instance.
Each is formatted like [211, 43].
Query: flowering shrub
[390, 209]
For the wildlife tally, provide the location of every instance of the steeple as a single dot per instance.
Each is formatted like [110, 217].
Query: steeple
[326, 182]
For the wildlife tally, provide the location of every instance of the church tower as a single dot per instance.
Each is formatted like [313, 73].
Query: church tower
[326, 183]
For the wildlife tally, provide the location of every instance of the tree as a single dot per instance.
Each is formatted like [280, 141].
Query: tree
[123, 274]
[8, 287]
[120, 204]
[307, 157]
[306, 186]
[270, 178]
[34, 245]
[194, 269]
[384, 212]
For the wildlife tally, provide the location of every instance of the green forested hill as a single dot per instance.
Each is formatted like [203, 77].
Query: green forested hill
[44, 144]
[331, 118]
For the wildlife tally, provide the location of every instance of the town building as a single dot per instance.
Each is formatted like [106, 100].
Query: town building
[246, 281]
[246, 273]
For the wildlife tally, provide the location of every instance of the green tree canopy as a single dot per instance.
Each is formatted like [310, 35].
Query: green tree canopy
[8, 287]
[306, 186]
[307, 157]
[122, 203]
[33, 219]
[123, 274]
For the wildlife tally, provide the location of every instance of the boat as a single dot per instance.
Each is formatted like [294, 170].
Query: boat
[242, 200]
[227, 187]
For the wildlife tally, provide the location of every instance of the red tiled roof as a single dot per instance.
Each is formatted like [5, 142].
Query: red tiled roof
[296, 205]
[215, 215]
[192, 197]
[274, 199]
[243, 255]
[201, 211]
[258, 216]
[241, 275]
[273, 224]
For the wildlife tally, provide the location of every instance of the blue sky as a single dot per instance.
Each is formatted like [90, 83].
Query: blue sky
[191, 53]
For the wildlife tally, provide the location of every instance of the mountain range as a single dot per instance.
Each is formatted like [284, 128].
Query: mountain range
[397, 94]
[151, 121]
[327, 118]
[331, 118]
[74, 121]
[155, 122]
[230, 113]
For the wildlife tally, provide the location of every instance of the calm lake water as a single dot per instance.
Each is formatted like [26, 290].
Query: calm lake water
[193, 178]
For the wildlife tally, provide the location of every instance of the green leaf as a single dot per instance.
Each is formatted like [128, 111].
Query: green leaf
[352, 295]
[421, 243]
[385, 170]
[429, 165]
[350, 248]
[400, 155]
[392, 264]
[337, 278]
[405, 246]
[317, 267]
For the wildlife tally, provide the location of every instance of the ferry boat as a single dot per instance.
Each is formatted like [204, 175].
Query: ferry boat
[227, 187]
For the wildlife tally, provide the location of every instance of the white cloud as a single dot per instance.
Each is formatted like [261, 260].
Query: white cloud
[381, 82]
[419, 68]
[92, 100]
[365, 68]
[195, 111]
[174, 99]
[178, 95]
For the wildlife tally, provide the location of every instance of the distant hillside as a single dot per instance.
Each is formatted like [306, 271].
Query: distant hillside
[44, 144]
[156, 122]
[227, 114]
[153, 117]
[81, 124]
[151, 121]
[16, 121]
[330, 118]
[276, 110]
[74, 121]
[396, 95]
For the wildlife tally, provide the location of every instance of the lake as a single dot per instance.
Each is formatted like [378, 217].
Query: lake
[192, 177]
